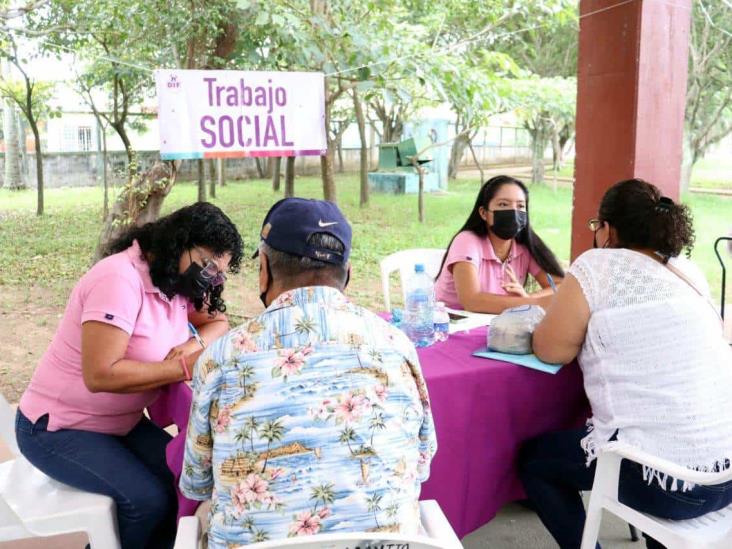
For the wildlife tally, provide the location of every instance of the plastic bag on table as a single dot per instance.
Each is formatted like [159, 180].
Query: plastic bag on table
[511, 331]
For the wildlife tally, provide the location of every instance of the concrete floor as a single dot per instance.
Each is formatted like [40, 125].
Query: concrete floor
[516, 527]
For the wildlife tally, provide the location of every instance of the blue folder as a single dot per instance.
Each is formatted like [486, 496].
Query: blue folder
[529, 361]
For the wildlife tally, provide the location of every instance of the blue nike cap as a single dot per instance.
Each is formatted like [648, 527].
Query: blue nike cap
[291, 222]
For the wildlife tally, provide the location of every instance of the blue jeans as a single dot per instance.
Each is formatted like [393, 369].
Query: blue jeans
[553, 471]
[130, 469]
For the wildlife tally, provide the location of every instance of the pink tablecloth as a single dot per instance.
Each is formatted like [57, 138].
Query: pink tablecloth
[483, 410]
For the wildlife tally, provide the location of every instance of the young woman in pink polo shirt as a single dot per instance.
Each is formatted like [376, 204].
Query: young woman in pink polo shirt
[488, 261]
[123, 335]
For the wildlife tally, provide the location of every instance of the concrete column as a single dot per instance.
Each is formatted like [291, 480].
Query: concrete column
[631, 91]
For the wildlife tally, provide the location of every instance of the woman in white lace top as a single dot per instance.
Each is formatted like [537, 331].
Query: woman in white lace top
[657, 370]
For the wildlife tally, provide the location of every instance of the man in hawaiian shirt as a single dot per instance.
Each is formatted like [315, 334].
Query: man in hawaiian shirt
[314, 416]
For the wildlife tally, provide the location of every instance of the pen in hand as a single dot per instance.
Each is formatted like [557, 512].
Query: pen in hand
[196, 335]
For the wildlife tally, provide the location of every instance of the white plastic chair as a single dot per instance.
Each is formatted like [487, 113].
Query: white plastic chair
[33, 505]
[404, 262]
[710, 531]
[438, 534]
[188, 534]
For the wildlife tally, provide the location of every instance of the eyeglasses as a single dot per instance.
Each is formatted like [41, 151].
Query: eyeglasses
[595, 224]
[211, 272]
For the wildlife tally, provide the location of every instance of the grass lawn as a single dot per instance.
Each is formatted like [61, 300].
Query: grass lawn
[708, 173]
[713, 173]
[57, 247]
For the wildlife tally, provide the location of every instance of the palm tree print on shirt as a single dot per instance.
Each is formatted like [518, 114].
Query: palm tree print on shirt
[271, 431]
[374, 506]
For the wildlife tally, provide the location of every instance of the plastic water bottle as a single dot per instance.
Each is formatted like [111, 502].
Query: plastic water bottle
[442, 322]
[418, 320]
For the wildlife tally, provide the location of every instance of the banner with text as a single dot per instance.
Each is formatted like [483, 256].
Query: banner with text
[225, 114]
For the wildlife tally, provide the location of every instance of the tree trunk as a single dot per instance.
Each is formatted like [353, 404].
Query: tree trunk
[372, 146]
[122, 132]
[220, 175]
[564, 137]
[326, 161]
[290, 177]
[138, 203]
[326, 170]
[13, 179]
[39, 165]
[269, 165]
[276, 170]
[201, 181]
[457, 150]
[475, 159]
[260, 168]
[392, 129]
[22, 150]
[556, 151]
[339, 149]
[212, 177]
[538, 144]
[364, 169]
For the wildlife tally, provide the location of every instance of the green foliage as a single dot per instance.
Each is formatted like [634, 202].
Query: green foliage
[475, 87]
[119, 41]
[543, 40]
[543, 103]
[709, 94]
[41, 94]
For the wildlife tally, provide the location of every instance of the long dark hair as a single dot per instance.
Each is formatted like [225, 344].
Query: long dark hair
[477, 225]
[643, 218]
[165, 240]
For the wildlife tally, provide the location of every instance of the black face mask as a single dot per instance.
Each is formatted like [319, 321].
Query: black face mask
[191, 283]
[509, 223]
[263, 296]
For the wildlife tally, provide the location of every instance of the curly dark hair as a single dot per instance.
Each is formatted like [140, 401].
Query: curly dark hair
[165, 240]
[643, 218]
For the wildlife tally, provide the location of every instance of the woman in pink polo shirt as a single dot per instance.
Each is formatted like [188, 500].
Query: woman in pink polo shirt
[488, 261]
[123, 335]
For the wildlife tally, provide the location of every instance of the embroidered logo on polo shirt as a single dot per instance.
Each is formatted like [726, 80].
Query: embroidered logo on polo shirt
[109, 317]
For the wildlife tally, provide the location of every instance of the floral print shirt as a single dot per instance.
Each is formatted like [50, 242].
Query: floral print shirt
[311, 418]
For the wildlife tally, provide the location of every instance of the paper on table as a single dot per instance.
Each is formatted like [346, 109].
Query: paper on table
[529, 361]
[471, 320]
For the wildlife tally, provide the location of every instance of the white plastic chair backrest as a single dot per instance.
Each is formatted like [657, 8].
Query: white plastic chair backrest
[404, 262]
[436, 525]
[7, 426]
[351, 541]
[8, 517]
[188, 534]
[435, 533]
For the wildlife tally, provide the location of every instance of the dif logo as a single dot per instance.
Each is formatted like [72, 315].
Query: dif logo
[173, 84]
